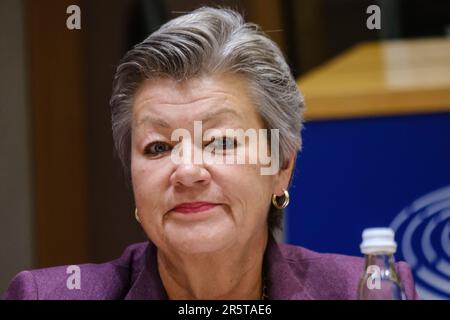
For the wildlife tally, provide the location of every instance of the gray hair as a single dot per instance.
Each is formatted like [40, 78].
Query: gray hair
[204, 42]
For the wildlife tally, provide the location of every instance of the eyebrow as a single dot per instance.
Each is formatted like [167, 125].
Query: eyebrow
[205, 117]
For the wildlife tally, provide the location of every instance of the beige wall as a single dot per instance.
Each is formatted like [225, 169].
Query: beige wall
[15, 170]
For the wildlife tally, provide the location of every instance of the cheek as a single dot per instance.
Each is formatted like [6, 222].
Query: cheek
[138, 175]
[249, 188]
[146, 180]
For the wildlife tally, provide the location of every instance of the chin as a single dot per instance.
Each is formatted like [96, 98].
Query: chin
[202, 239]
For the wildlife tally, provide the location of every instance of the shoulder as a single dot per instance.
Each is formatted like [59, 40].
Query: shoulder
[109, 280]
[325, 275]
[335, 276]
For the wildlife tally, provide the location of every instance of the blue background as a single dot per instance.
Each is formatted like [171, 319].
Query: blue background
[358, 173]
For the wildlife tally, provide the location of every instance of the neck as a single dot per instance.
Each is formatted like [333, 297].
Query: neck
[233, 273]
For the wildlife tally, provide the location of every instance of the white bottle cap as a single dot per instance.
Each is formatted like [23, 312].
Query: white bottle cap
[377, 240]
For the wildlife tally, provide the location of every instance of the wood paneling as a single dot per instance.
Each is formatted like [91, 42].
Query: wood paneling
[59, 140]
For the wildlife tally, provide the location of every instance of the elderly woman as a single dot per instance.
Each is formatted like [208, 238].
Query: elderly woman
[210, 223]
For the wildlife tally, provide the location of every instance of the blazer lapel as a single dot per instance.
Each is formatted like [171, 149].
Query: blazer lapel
[282, 282]
[147, 284]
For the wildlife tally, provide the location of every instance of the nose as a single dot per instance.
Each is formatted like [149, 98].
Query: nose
[189, 172]
[190, 175]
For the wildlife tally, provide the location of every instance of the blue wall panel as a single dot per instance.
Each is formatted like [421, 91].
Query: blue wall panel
[359, 173]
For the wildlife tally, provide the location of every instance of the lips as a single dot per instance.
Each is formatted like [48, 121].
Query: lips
[194, 207]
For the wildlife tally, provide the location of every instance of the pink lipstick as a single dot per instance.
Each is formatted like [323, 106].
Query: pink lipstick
[193, 207]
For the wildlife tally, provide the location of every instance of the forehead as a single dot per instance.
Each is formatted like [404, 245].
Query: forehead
[193, 99]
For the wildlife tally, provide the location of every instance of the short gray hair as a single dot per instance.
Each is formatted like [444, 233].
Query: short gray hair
[204, 42]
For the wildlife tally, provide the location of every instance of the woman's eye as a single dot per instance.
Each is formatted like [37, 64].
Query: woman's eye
[224, 143]
[156, 148]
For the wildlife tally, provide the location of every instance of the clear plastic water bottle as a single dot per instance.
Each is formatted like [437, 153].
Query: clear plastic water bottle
[379, 280]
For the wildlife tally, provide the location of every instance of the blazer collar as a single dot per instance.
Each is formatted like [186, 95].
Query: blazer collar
[147, 284]
[281, 281]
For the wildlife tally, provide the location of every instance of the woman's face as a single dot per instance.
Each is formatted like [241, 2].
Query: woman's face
[239, 195]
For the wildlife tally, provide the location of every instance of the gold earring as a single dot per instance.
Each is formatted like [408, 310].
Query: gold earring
[136, 215]
[285, 200]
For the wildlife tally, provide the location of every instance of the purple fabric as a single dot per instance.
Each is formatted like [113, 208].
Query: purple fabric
[292, 273]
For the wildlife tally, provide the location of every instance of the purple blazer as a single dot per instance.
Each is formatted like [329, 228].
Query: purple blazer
[292, 273]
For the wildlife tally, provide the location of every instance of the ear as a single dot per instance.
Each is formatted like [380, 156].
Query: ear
[284, 175]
